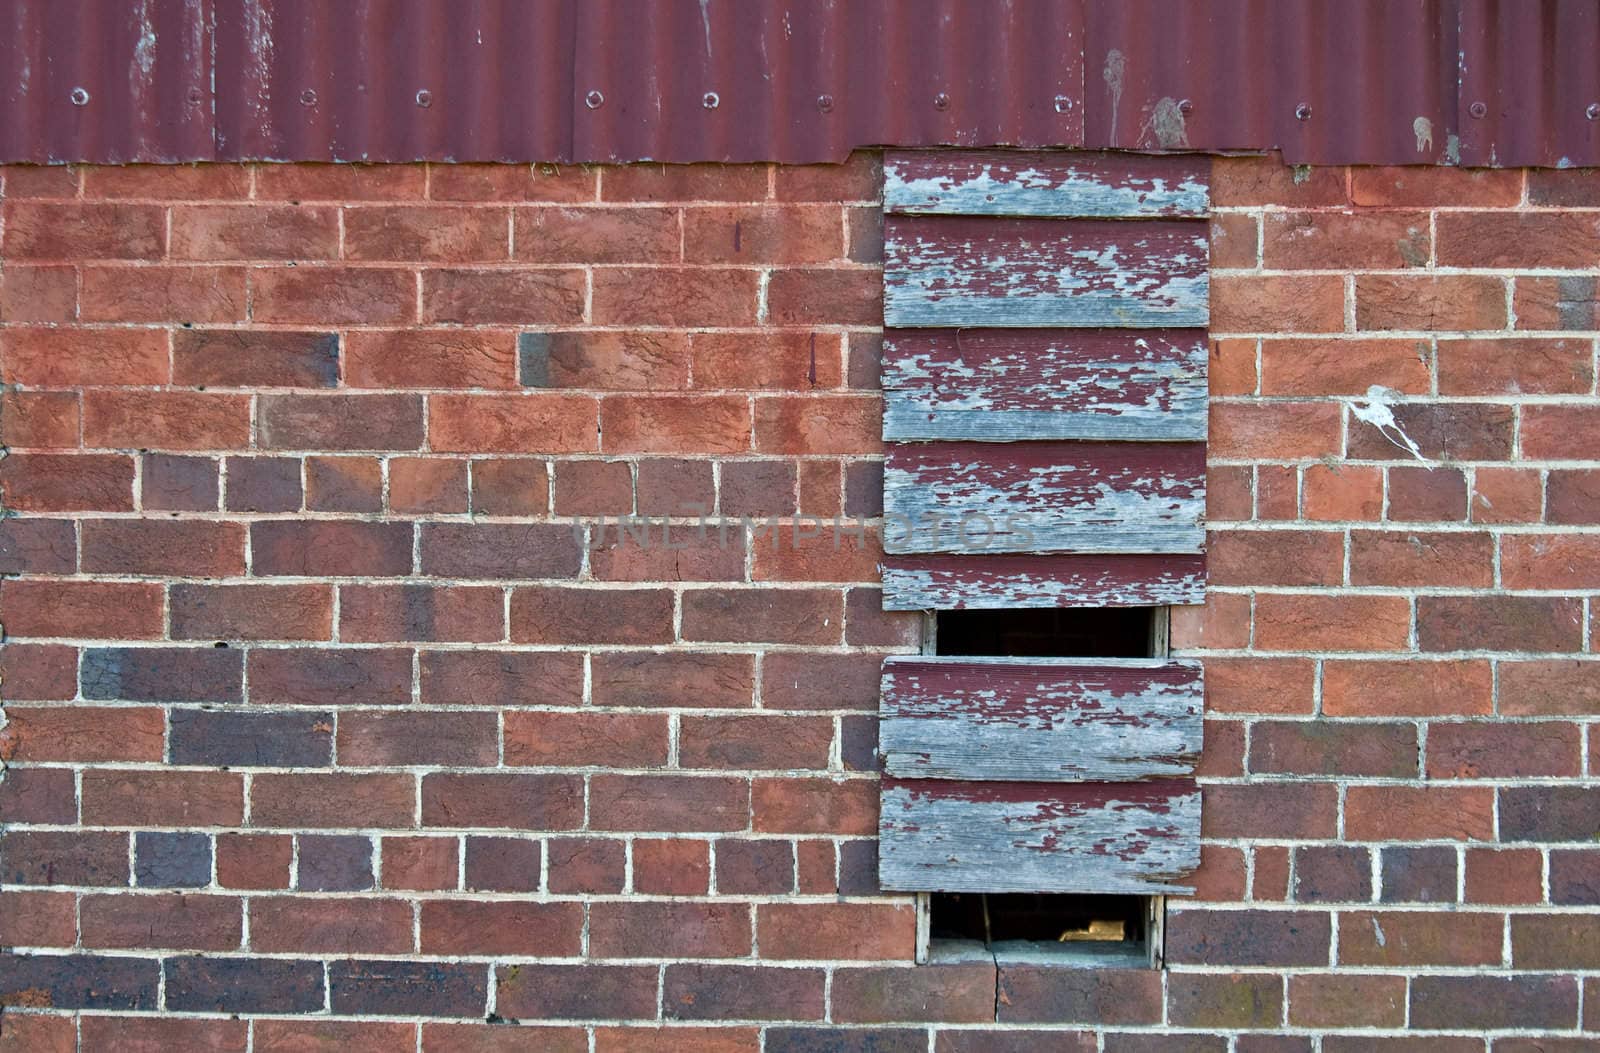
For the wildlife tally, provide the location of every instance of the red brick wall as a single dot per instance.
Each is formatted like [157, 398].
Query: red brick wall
[324, 726]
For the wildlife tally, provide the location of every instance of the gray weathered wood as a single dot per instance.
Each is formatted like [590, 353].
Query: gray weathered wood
[947, 583]
[1039, 183]
[1106, 838]
[1039, 720]
[1015, 384]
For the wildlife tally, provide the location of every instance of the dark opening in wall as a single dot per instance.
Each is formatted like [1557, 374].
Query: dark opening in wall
[1089, 632]
[1099, 928]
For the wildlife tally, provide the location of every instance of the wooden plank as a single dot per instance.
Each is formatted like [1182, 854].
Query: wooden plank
[1039, 720]
[950, 583]
[1108, 838]
[978, 271]
[1087, 497]
[1003, 385]
[1045, 183]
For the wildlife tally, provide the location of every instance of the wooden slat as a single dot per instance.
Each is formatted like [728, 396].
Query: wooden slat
[1107, 838]
[978, 271]
[978, 498]
[1054, 183]
[949, 583]
[1005, 385]
[1039, 720]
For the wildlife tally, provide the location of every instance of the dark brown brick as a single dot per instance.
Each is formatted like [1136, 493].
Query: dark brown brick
[668, 802]
[41, 857]
[587, 864]
[38, 546]
[325, 676]
[666, 678]
[762, 615]
[1499, 623]
[1425, 874]
[503, 864]
[1247, 937]
[263, 484]
[536, 802]
[1549, 813]
[163, 674]
[553, 614]
[1035, 994]
[499, 550]
[933, 993]
[740, 992]
[669, 930]
[1492, 1003]
[1408, 938]
[576, 992]
[325, 548]
[501, 678]
[406, 988]
[1332, 874]
[1218, 1001]
[1334, 748]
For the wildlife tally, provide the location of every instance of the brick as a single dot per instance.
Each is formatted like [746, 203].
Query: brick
[427, 485]
[1418, 494]
[406, 988]
[1346, 240]
[180, 182]
[1419, 875]
[179, 548]
[84, 231]
[1554, 941]
[762, 234]
[326, 548]
[863, 491]
[39, 419]
[175, 483]
[51, 482]
[341, 422]
[606, 360]
[278, 740]
[1225, 1000]
[1503, 751]
[814, 806]
[782, 359]
[1332, 623]
[38, 294]
[339, 182]
[795, 680]
[689, 297]
[79, 981]
[755, 742]
[766, 615]
[1515, 367]
[499, 551]
[1568, 302]
[825, 296]
[1221, 876]
[438, 234]
[466, 296]
[430, 358]
[425, 864]
[671, 866]
[38, 546]
[811, 552]
[416, 739]
[867, 623]
[1506, 495]
[263, 484]
[1017, 1041]
[1549, 561]
[668, 802]
[505, 182]
[568, 740]
[380, 613]
[333, 863]
[597, 235]
[1266, 180]
[842, 1040]
[646, 1039]
[1430, 302]
[254, 232]
[587, 864]
[84, 609]
[1274, 431]
[668, 486]
[838, 424]
[1278, 491]
[1499, 622]
[932, 993]
[1222, 622]
[859, 178]
[544, 422]
[1419, 813]
[1511, 875]
[1574, 497]
[41, 857]
[511, 801]
[1233, 367]
[593, 488]
[317, 676]
[333, 295]
[344, 484]
[501, 678]
[38, 919]
[113, 797]
[1559, 433]
[1347, 1000]
[1247, 937]
[1234, 241]
[254, 861]
[180, 920]
[184, 294]
[1508, 239]
[1300, 304]
[1569, 188]
[1549, 813]
[741, 992]
[1270, 880]
[576, 992]
[38, 672]
[638, 551]
[307, 1034]
[554, 614]
[675, 424]
[1441, 431]
[36, 1033]
[1301, 810]
[1428, 185]
[1259, 685]
[153, 1034]
[1330, 748]
[674, 182]
[251, 612]
[669, 930]
[755, 867]
[315, 925]
[1488, 1003]
[503, 864]
[175, 420]
[1277, 557]
[1420, 559]
[162, 674]
[67, 356]
[505, 927]
[1344, 367]
[863, 931]
[1332, 874]
[341, 801]
[1036, 994]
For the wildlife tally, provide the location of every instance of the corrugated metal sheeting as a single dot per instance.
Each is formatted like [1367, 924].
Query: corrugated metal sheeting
[1475, 82]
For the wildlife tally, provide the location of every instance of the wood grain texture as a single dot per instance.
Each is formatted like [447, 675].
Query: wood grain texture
[1039, 720]
[949, 583]
[1037, 183]
[1108, 838]
[1089, 497]
[1005, 385]
[980, 271]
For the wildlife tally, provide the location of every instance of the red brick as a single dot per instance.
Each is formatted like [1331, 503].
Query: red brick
[859, 931]
[1426, 494]
[35, 1033]
[84, 231]
[676, 1039]
[1428, 185]
[184, 182]
[546, 296]
[424, 864]
[254, 232]
[1407, 938]
[504, 927]
[38, 294]
[184, 921]
[859, 178]
[194, 549]
[668, 802]
[1506, 238]
[1550, 561]
[1301, 810]
[580, 740]
[428, 358]
[1343, 367]
[330, 926]
[407, 738]
[578, 991]
[1274, 431]
[675, 424]
[1504, 751]
[1276, 557]
[762, 234]
[840, 424]
[592, 865]
[38, 672]
[815, 806]
[678, 679]
[1332, 623]
[38, 546]
[755, 742]
[438, 234]
[1365, 749]
[1234, 241]
[675, 296]
[51, 482]
[1419, 813]
[162, 798]
[669, 930]
[820, 681]
[501, 678]
[326, 547]
[786, 359]
[427, 485]
[1430, 302]
[85, 733]
[344, 484]
[1441, 431]
[1267, 180]
[84, 609]
[1573, 497]
[339, 182]
[1259, 685]
[1247, 937]
[232, 358]
[1560, 433]
[1568, 302]
[41, 181]
[1506, 495]
[1342, 492]
[1346, 240]
[1555, 687]
[825, 296]
[507, 801]
[381, 613]
[700, 182]
[156, 1034]
[609, 360]
[1221, 876]
[1407, 688]
[762, 615]
[504, 182]
[341, 422]
[251, 612]
[1515, 367]
[787, 553]
[597, 235]
[36, 795]
[1417, 558]
[670, 866]
[543, 422]
[1297, 304]
[69, 357]
[37, 919]
[313, 1035]
[254, 861]
[1498, 622]
[509, 487]
[316, 801]
[162, 294]
[178, 420]
[593, 488]
[1222, 622]
[1232, 369]
[554, 614]
[1278, 492]
[333, 295]
[1347, 1000]
[741, 992]
[1509, 875]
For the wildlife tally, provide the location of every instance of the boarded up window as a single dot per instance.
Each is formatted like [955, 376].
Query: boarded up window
[1045, 413]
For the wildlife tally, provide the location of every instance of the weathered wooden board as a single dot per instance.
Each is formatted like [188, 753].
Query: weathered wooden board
[1138, 838]
[976, 498]
[980, 271]
[1054, 183]
[1005, 385]
[1040, 719]
[950, 583]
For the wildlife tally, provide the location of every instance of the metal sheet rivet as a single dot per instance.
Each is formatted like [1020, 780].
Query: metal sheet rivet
[424, 98]
[710, 100]
[594, 100]
[941, 101]
[1186, 107]
[79, 97]
[196, 96]
[1478, 110]
[1593, 112]
[308, 98]
[825, 103]
[1302, 112]
[1063, 104]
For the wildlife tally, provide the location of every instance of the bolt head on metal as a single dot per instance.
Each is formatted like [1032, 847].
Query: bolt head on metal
[1302, 112]
[594, 100]
[711, 100]
[941, 101]
[1186, 107]
[308, 98]
[1593, 112]
[825, 103]
[79, 97]
[1478, 110]
[196, 96]
[424, 98]
[1063, 103]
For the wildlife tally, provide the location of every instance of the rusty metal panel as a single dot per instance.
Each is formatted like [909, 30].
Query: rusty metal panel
[1138, 838]
[1040, 720]
[979, 582]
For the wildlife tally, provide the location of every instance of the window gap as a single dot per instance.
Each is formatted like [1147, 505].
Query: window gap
[1037, 926]
[1087, 632]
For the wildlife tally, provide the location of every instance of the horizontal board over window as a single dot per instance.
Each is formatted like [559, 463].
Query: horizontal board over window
[1033, 183]
[979, 582]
